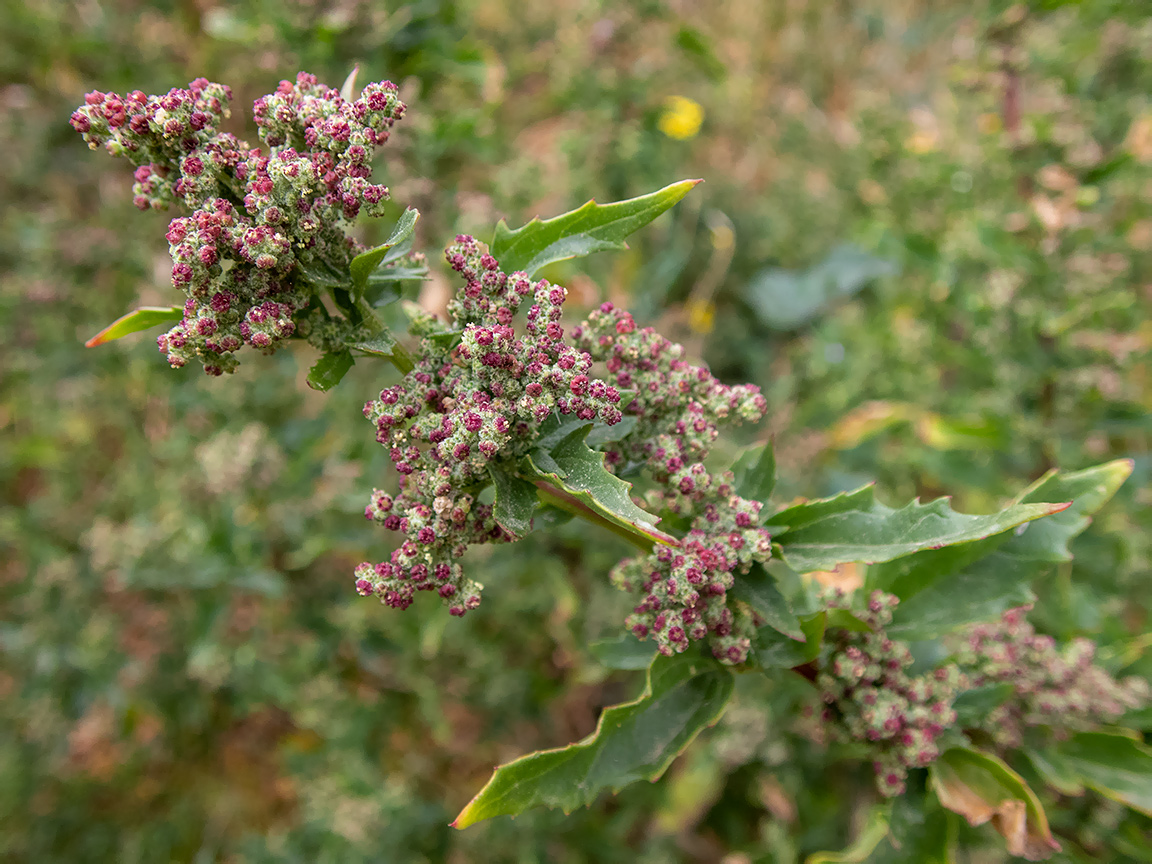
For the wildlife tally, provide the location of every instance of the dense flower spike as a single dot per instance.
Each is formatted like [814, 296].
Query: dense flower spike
[464, 408]
[159, 134]
[682, 594]
[484, 402]
[1061, 690]
[871, 698]
[261, 216]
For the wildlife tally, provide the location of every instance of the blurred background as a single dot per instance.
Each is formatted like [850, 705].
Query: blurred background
[924, 232]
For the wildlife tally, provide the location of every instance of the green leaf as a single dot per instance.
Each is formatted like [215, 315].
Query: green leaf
[920, 831]
[786, 299]
[755, 473]
[758, 589]
[1088, 490]
[389, 273]
[557, 427]
[774, 650]
[1115, 765]
[549, 518]
[385, 283]
[943, 589]
[601, 433]
[981, 788]
[807, 512]
[320, 273]
[590, 228]
[972, 706]
[591, 489]
[1055, 771]
[378, 294]
[625, 652]
[543, 461]
[143, 318]
[515, 501]
[634, 741]
[875, 830]
[980, 592]
[366, 262]
[847, 620]
[908, 576]
[329, 369]
[855, 527]
[382, 344]
[695, 44]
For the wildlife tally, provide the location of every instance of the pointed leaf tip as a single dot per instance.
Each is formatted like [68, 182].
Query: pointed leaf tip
[592, 227]
[348, 90]
[143, 318]
[327, 372]
[634, 741]
[1088, 490]
[365, 263]
[854, 526]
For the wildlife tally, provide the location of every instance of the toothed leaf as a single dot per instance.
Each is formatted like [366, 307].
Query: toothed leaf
[854, 526]
[634, 741]
[587, 229]
[365, 263]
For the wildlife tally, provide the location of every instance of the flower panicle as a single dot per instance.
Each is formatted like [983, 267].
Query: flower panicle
[259, 215]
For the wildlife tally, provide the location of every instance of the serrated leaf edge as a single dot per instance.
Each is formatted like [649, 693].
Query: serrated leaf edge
[465, 818]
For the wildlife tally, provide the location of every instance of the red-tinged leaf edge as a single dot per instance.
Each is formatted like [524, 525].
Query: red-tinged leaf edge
[699, 689]
[143, 318]
[544, 238]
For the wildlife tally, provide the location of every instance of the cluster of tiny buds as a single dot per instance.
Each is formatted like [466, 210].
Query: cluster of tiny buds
[1057, 689]
[155, 132]
[678, 407]
[482, 401]
[466, 407]
[257, 213]
[870, 697]
[683, 594]
[486, 398]
[683, 591]
[423, 562]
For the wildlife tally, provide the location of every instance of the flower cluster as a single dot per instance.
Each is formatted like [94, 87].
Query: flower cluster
[682, 593]
[871, 698]
[261, 216]
[465, 408]
[1059, 689]
[157, 133]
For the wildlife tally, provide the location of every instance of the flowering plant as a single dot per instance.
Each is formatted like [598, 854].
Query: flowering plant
[504, 421]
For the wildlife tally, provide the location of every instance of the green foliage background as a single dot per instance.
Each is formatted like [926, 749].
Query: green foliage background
[185, 671]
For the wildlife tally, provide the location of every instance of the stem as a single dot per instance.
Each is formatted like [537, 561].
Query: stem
[808, 671]
[551, 495]
[401, 359]
[368, 317]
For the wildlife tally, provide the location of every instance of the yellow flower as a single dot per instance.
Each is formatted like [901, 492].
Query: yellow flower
[681, 118]
[989, 123]
[701, 316]
[921, 141]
